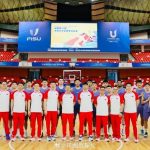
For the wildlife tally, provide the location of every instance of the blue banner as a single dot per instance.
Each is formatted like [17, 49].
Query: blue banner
[141, 65]
[9, 40]
[96, 65]
[139, 41]
[114, 37]
[9, 64]
[51, 64]
[34, 36]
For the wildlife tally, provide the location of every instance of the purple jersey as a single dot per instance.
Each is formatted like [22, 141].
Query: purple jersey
[76, 91]
[121, 91]
[146, 95]
[146, 107]
[139, 92]
[43, 90]
[61, 90]
[96, 93]
[29, 91]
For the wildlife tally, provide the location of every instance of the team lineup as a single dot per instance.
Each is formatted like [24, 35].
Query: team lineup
[104, 107]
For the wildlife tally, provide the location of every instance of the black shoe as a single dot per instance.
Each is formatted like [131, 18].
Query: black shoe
[146, 134]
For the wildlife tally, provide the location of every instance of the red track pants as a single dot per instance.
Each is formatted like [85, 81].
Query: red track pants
[85, 116]
[116, 121]
[36, 116]
[5, 117]
[133, 118]
[51, 118]
[101, 121]
[70, 119]
[18, 122]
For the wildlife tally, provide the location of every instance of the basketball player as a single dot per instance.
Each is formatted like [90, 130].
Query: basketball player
[102, 107]
[146, 108]
[43, 90]
[139, 90]
[19, 110]
[28, 90]
[116, 110]
[35, 111]
[76, 90]
[131, 101]
[51, 106]
[4, 107]
[85, 99]
[96, 93]
[67, 100]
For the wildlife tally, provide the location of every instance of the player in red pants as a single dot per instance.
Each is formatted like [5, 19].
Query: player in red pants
[116, 109]
[85, 99]
[102, 106]
[35, 111]
[4, 108]
[18, 109]
[131, 101]
[67, 101]
[51, 104]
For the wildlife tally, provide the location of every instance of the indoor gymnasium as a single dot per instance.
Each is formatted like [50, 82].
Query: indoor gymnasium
[74, 74]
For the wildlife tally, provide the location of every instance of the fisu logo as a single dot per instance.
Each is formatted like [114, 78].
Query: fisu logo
[113, 34]
[34, 35]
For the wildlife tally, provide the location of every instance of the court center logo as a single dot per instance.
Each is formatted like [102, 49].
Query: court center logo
[113, 36]
[34, 35]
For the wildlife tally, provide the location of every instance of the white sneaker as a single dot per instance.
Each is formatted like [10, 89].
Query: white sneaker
[126, 140]
[64, 138]
[136, 140]
[55, 135]
[106, 140]
[53, 138]
[118, 140]
[80, 138]
[39, 139]
[90, 138]
[22, 139]
[97, 139]
[13, 139]
[32, 139]
[49, 138]
[71, 138]
[113, 139]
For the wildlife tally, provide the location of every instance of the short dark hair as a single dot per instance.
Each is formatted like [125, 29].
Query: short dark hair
[85, 83]
[102, 87]
[105, 80]
[44, 80]
[109, 86]
[139, 81]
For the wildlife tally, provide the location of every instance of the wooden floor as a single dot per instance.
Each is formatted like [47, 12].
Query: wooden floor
[144, 143]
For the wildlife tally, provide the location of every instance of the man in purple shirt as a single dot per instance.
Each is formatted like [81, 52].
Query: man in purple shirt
[140, 90]
[76, 90]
